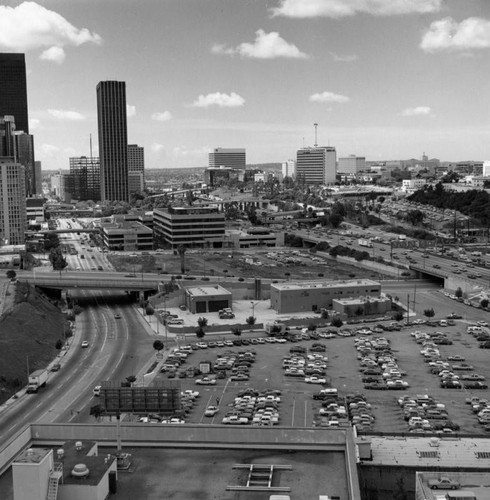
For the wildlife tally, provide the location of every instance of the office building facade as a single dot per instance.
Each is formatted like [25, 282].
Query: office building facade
[289, 169]
[228, 157]
[113, 140]
[83, 181]
[189, 226]
[13, 89]
[352, 164]
[136, 159]
[12, 202]
[317, 165]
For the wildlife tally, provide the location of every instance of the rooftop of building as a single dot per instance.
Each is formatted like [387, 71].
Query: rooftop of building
[450, 452]
[359, 300]
[115, 227]
[200, 291]
[302, 285]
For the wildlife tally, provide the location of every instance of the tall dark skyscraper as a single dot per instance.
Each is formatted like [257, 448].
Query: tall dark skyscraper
[113, 140]
[13, 89]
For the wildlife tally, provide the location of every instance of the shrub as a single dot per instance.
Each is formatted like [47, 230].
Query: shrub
[337, 322]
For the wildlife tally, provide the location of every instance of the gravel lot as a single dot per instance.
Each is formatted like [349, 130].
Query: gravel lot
[297, 408]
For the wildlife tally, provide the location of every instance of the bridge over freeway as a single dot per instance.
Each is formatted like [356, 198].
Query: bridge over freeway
[75, 230]
[92, 280]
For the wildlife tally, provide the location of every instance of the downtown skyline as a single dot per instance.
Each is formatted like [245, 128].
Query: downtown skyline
[384, 79]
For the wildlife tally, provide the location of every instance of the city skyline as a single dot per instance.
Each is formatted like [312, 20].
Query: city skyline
[383, 79]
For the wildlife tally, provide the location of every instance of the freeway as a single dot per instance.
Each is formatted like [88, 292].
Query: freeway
[117, 349]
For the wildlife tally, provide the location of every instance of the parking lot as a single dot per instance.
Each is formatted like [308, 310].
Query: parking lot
[297, 406]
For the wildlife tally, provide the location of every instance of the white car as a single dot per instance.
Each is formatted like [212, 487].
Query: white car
[206, 381]
[85, 343]
[211, 411]
[190, 393]
[315, 380]
[202, 345]
[235, 420]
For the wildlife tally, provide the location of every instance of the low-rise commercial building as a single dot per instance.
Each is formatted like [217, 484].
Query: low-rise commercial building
[293, 297]
[126, 236]
[203, 299]
[362, 306]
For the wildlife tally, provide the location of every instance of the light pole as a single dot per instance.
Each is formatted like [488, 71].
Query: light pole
[253, 308]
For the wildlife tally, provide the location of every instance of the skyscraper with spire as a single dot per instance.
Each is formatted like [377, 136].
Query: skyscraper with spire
[113, 140]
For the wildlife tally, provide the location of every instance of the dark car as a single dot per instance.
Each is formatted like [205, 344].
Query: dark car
[474, 385]
[485, 345]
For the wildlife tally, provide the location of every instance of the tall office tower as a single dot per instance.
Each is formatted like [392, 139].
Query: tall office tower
[289, 169]
[136, 159]
[352, 164]
[13, 89]
[38, 176]
[226, 157]
[83, 181]
[7, 131]
[113, 141]
[317, 165]
[12, 202]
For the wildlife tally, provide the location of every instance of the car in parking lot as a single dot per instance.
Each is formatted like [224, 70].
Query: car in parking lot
[211, 411]
[234, 420]
[206, 381]
[239, 376]
[315, 380]
[85, 343]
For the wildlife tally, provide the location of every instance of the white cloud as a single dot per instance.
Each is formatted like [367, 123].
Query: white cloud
[62, 114]
[130, 110]
[164, 116]
[266, 46]
[156, 148]
[344, 58]
[417, 111]
[49, 150]
[54, 54]
[328, 97]
[31, 26]
[184, 152]
[34, 124]
[343, 8]
[447, 34]
[232, 100]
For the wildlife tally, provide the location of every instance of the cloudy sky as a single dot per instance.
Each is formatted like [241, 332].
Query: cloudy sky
[385, 79]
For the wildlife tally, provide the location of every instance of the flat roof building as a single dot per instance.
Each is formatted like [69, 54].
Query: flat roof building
[204, 299]
[351, 164]
[189, 226]
[13, 217]
[228, 157]
[293, 297]
[126, 236]
[113, 140]
[317, 165]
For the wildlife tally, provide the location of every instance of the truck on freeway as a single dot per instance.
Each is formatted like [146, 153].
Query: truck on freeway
[37, 379]
[363, 242]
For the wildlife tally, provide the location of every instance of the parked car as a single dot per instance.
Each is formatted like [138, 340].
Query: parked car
[206, 381]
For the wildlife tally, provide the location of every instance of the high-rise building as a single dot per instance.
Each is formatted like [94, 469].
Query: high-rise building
[136, 182]
[12, 202]
[83, 181]
[317, 165]
[13, 89]
[136, 159]
[226, 157]
[38, 176]
[289, 169]
[352, 164]
[113, 140]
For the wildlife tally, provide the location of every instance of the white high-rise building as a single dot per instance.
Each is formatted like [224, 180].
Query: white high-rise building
[317, 165]
[12, 202]
[486, 169]
[289, 169]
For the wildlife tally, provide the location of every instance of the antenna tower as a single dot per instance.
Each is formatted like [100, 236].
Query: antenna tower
[316, 136]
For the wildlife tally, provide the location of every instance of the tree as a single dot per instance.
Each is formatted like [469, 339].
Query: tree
[11, 274]
[250, 320]
[51, 240]
[131, 380]
[337, 322]
[236, 331]
[200, 333]
[158, 345]
[324, 314]
[58, 345]
[398, 316]
[415, 217]
[181, 249]
[484, 303]
[149, 310]
[458, 292]
[57, 259]
[312, 327]
[429, 313]
[202, 322]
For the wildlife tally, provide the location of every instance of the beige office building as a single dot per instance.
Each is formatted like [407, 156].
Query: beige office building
[12, 202]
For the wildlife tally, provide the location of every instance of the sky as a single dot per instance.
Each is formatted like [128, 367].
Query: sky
[384, 79]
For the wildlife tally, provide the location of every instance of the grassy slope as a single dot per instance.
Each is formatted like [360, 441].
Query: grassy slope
[31, 329]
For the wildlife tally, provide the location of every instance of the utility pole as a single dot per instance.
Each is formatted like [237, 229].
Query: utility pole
[408, 308]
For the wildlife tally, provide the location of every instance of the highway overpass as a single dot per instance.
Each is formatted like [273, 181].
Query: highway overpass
[92, 280]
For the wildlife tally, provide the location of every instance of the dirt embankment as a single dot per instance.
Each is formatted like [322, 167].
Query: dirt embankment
[29, 332]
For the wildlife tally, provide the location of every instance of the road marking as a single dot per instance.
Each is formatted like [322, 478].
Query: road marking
[292, 416]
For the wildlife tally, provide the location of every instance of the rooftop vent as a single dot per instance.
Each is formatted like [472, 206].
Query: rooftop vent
[434, 442]
[428, 454]
[60, 453]
[80, 470]
[78, 445]
[482, 454]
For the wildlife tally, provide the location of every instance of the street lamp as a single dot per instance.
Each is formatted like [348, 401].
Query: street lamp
[253, 309]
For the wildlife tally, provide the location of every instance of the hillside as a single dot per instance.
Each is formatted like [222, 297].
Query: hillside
[30, 329]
